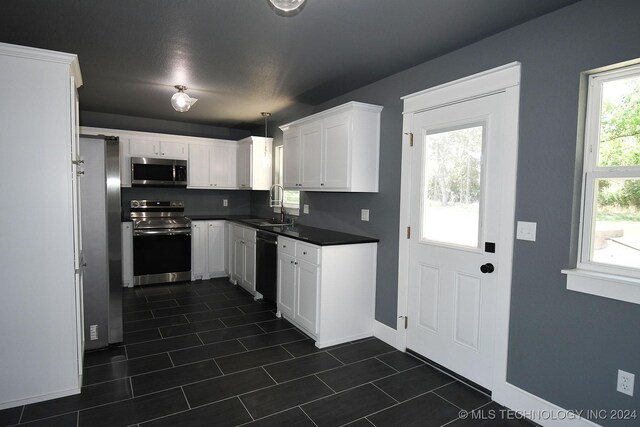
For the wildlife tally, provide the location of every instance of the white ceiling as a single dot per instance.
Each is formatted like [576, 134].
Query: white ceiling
[240, 58]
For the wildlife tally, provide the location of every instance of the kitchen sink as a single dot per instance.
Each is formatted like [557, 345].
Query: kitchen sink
[265, 222]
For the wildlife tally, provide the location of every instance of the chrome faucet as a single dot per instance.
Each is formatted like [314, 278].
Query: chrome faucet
[277, 202]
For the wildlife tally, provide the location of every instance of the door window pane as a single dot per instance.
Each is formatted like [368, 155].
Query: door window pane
[452, 168]
[616, 238]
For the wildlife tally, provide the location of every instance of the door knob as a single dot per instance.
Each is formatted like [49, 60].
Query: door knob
[487, 268]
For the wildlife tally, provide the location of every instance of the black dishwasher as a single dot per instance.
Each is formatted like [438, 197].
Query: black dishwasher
[267, 264]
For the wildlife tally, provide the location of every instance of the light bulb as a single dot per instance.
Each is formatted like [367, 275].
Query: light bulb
[287, 5]
[180, 101]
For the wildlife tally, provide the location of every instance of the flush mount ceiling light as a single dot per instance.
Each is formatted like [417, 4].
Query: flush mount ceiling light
[180, 101]
[287, 7]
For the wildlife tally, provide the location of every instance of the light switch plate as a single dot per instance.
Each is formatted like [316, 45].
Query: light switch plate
[364, 214]
[225, 202]
[305, 209]
[526, 231]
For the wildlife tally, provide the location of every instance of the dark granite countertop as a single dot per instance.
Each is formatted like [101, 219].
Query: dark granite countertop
[313, 235]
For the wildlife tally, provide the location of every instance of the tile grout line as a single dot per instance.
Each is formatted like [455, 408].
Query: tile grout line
[320, 379]
[185, 397]
[267, 372]
[382, 361]
[384, 392]
[307, 415]
[245, 408]
[21, 414]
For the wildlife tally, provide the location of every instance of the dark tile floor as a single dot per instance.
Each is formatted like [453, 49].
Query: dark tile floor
[205, 353]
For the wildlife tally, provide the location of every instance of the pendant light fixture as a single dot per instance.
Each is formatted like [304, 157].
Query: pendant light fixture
[180, 101]
[287, 7]
[267, 155]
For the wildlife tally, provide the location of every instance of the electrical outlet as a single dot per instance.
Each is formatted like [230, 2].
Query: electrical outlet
[625, 382]
[305, 209]
[93, 332]
[225, 203]
[364, 214]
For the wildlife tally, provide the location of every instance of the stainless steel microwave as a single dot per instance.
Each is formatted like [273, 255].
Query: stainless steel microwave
[147, 171]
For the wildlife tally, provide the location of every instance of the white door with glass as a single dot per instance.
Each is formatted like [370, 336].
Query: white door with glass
[454, 215]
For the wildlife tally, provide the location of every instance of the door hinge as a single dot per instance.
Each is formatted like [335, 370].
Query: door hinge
[410, 138]
[408, 232]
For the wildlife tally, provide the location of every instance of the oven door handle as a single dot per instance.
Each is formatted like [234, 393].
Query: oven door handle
[167, 232]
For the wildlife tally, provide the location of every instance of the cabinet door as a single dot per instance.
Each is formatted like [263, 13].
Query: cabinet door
[286, 284]
[336, 154]
[144, 147]
[127, 255]
[249, 279]
[174, 150]
[215, 245]
[311, 146]
[198, 250]
[307, 287]
[199, 167]
[223, 165]
[291, 158]
[238, 254]
[244, 165]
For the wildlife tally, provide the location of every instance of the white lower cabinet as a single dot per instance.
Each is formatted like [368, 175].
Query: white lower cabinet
[127, 255]
[327, 291]
[207, 249]
[242, 248]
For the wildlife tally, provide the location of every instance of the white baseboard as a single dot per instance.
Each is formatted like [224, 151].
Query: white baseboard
[386, 334]
[537, 409]
[40, 398]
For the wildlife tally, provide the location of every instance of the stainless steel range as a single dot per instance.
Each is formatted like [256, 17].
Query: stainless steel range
[161, 242]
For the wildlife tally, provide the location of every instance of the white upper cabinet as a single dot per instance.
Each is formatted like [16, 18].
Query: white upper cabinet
[335, 150]
[291, 157]
[139, 147]
[212, 162]
[212, 165]
[255, 163]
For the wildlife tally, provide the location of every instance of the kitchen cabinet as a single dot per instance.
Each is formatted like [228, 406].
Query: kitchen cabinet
[127, 254]
[42, 354]
[291, 158]
[243, 251]
[327, 291]
[215, 249]
[212, 162]
[212, 165]
[254, 169]
[155, 148]
[207, 249]
[335, 150]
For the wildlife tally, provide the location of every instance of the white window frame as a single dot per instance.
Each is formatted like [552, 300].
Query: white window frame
[291, 208]
[617, 282]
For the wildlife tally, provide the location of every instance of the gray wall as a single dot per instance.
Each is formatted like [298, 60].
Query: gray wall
[564, 346]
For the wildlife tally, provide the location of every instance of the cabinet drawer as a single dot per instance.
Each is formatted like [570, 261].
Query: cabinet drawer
[308, 253]
[287, 246]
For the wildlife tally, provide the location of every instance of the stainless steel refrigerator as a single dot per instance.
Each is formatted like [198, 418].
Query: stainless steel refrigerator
[101, 240]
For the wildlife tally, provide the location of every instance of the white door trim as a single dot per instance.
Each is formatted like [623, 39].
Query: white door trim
[502, 79]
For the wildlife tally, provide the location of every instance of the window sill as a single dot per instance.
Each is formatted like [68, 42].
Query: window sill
[622, 288]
